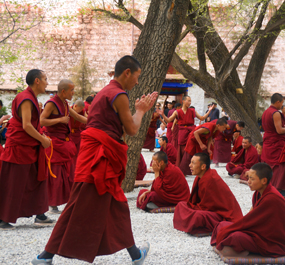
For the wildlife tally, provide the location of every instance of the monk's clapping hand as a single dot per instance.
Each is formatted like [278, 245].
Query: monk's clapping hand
[146, 102]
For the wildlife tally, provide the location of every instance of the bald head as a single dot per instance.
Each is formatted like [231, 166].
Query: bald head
[64, 84]
[79, 103]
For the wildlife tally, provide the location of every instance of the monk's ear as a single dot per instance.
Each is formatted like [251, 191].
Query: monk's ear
[264, 181]
[203, 167]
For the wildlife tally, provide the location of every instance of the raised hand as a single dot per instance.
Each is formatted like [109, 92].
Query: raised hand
[146, 102]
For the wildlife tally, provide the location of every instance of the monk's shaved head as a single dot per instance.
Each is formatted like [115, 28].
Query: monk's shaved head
[64, 84]
[221, 122]
[161, 156]
[204, 159]
[276, 97]
[79, 103]
[185, 97]
[263, 170]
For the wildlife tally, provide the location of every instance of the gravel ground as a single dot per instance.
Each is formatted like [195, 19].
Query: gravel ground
[168, 246]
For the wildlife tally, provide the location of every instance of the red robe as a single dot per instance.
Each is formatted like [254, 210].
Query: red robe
[273, 152]
[186, 126]
[211, 201]
[237, 144]
[170, 188]
[264, 225]
[142, 169]
[23, 185]
[245, 159]
[150, 136]
[171, 153]
[175, 136]
[63, 152]
[96, 220]
[169, 126]
[192, 146]
[223, 143]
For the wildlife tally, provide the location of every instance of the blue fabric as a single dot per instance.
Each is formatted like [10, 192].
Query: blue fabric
[156, 143]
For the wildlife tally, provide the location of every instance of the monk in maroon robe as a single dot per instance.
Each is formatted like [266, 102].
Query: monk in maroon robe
[96, 220]
[55, 118]
[245, 159]
[76, 129]
[168, 188]
[237, 142]
[23, 185]
[185, 118]
[175, 128]
[168, 148]
[262, 230]
[223, 142]
[211, 200]
[170, 124]
[273, 154]
[200, 140]
[142, 169]
[149, 142]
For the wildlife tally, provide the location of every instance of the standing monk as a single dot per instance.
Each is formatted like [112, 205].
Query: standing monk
[175, 128]
[274, 141]
[23, 185]
[185, 118]
[200, 140]
[223, 142]
[171, 108]
[96, 220]
[55, 118]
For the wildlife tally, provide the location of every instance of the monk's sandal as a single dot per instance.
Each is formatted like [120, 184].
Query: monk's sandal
[144, 251]
[38, 261]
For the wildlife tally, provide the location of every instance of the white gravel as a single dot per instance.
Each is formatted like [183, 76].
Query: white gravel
[168, 245]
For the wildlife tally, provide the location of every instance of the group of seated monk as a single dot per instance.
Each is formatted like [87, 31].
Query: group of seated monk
[211, 207]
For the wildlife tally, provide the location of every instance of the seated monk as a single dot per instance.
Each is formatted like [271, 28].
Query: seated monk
[168, 148]
[237, 142]
[258, 146]
[262, 230]
[168, 188]
[211, 200]
[245, 159]
[141, 168]
[200, 140]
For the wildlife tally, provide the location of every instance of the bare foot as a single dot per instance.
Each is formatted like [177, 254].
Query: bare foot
[230, 252]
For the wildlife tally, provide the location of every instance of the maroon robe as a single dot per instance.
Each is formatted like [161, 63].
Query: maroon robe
[223, 144]
[211, 201]
[237, 144]
[245, 159]
[169, 126]
[273, 148]
[63, 152]
[96, 220]
[175, 136]
[142, 169]
[192, 146]
[186, 126]
[171, 153]
[168, 189]
[23, 188]
[149, 142]
[254, 232]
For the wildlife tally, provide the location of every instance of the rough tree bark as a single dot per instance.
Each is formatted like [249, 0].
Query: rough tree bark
[154, 51]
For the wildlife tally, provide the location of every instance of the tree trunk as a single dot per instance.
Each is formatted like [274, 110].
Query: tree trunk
[154, 51]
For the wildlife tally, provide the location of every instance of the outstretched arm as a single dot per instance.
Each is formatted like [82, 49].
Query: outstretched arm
[201, 118]
[77, 116]
[171, 118]
[133, 123]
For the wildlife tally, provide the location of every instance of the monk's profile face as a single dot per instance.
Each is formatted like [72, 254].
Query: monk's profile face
[42, 83]
[254, 182]
[161, 142]
[222, 128]
[239, 128]
[245, 144]
[68, 94]
[132, 79]
[195, 166]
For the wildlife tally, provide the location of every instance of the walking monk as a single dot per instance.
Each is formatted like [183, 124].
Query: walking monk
[273, 154]
[55, 118]
[168, 188]
[185, 118]
[211, 200]
[96, 220]
[23, 185]
[262, 230]
[200, 140]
